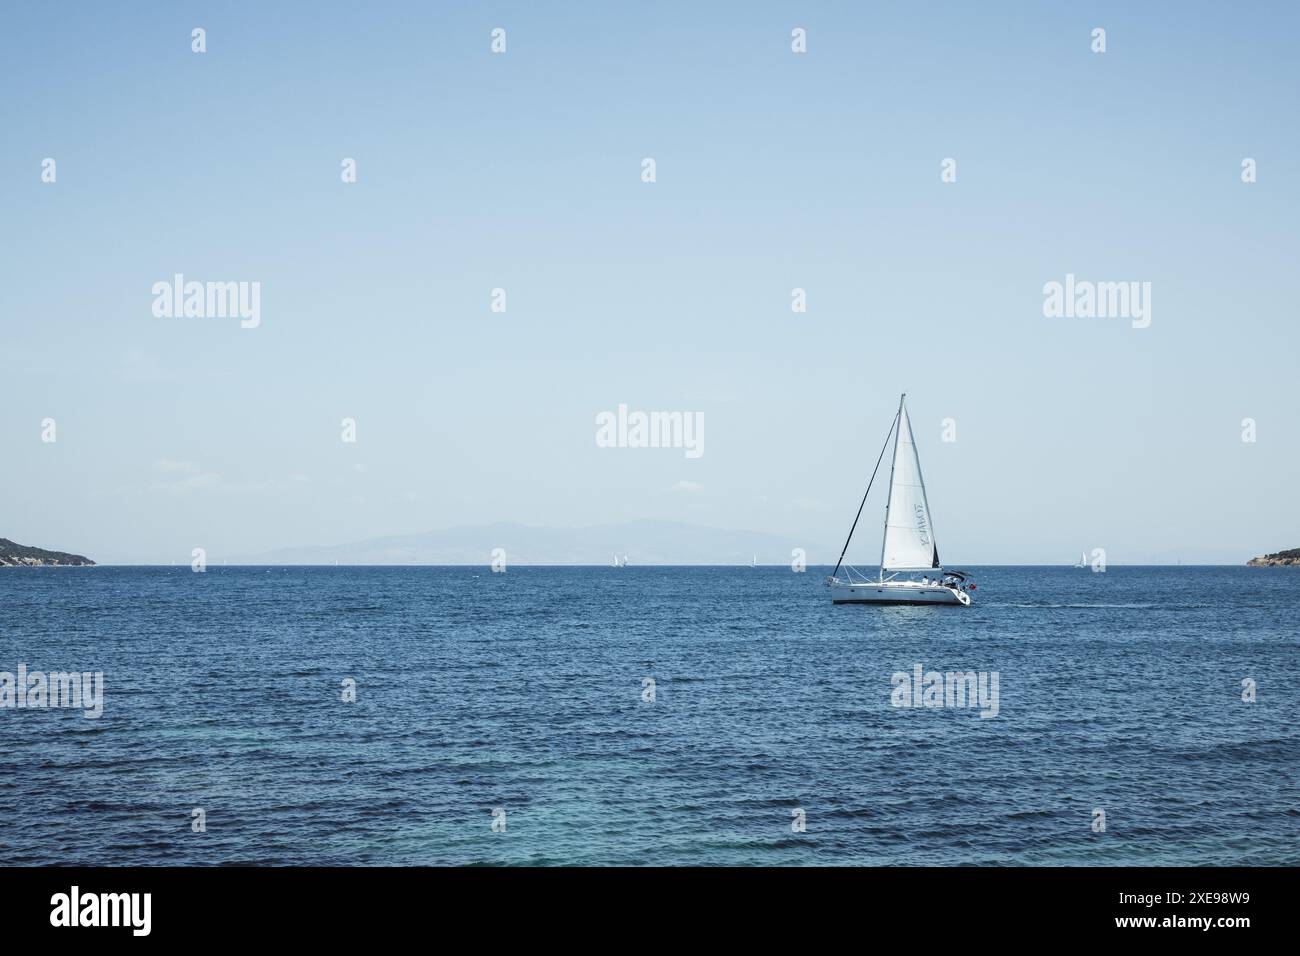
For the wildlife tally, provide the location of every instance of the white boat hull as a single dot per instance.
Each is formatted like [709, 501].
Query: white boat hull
[896, 592]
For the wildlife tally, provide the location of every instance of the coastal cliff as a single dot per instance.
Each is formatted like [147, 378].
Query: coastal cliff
[1281, 559]
[20, 555]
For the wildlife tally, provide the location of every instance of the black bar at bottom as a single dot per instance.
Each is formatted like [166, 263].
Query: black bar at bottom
[335, 905]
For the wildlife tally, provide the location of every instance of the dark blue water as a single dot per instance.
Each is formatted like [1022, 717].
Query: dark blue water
[1119, 691]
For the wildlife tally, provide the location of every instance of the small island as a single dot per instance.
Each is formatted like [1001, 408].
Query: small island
[1279, 560]
[13, 555]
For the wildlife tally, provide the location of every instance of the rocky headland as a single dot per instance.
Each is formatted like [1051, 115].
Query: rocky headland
[1281, 559]
[14, 555]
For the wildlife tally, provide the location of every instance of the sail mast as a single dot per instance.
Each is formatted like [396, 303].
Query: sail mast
[893, 463]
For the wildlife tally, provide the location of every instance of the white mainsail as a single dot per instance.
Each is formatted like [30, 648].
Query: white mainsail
[909, 534]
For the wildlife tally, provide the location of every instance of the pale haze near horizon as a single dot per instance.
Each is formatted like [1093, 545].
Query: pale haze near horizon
[774, 171]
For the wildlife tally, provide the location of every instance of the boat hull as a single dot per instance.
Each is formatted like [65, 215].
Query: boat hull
[890, 592]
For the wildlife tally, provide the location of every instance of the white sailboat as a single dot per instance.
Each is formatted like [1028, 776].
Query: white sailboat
[908, 544]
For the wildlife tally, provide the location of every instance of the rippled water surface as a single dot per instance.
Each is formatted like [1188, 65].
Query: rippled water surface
[523, 691]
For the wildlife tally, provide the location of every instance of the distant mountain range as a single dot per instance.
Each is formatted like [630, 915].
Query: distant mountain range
[643, 542]
[13, 554]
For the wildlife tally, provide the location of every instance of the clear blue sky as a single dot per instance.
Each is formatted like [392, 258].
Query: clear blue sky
[775, 170]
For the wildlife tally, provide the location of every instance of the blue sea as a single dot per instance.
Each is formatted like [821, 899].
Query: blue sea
[523, 699]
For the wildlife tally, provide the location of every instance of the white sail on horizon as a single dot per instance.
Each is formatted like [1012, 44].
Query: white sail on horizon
[909, 543]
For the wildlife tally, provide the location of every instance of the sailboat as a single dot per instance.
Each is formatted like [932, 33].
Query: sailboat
[1083, 560]
[908, 544]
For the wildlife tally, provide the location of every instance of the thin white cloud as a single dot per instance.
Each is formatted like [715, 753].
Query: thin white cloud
[170, 467]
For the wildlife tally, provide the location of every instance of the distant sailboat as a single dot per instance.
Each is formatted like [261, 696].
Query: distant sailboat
[908, 544]
[1083, 560]
[755, 562]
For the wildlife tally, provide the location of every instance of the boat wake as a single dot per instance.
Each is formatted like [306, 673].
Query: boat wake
[1098, 606]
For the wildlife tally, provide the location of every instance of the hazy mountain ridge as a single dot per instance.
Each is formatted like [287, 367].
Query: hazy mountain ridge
[643, 542]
